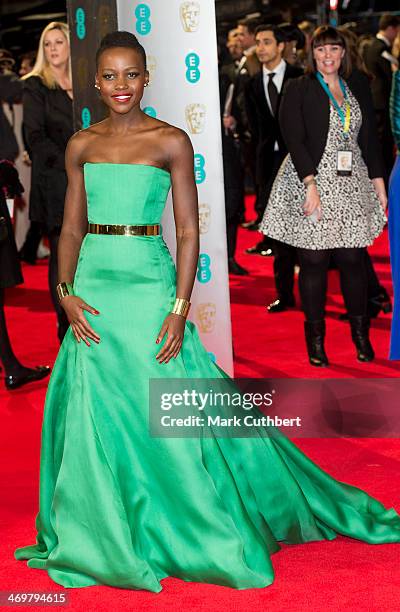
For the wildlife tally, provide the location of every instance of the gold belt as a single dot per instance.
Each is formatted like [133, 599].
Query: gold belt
[124, 230]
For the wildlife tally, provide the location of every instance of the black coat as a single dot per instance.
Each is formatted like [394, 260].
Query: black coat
[264, 126]
[11, 92]
[304, 120]
[48, 127]
[381, 70]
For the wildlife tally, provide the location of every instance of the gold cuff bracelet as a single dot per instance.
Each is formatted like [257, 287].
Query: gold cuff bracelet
[181, 307]
[64, 289]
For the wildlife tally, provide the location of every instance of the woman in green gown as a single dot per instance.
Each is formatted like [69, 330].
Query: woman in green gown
[118, 506]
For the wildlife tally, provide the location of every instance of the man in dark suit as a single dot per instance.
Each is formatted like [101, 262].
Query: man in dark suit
[246, 37]
[378, 60]
[263, 95]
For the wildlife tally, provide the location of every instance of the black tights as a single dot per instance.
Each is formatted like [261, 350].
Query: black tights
[62, 321]
[10, 363]
[313, 279]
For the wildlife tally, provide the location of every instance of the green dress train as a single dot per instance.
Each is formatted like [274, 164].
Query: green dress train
[122, 508]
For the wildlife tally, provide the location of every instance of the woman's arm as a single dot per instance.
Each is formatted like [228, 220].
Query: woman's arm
[40, 145]
[293, 130]
[368, 139]
[368, 136]
[184, 195]
[74, 228]
[291, 122]
[74, 225]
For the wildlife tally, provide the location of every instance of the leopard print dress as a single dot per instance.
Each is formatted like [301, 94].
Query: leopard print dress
[351, 213]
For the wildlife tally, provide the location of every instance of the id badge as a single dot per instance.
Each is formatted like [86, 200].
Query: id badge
[344, 163]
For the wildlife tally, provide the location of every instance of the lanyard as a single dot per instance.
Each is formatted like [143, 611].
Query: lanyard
[345, 118]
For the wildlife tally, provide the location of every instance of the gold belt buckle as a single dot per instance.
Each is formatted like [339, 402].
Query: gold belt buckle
[124, 230]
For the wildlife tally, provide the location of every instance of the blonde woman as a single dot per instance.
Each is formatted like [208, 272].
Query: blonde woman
[47, 101]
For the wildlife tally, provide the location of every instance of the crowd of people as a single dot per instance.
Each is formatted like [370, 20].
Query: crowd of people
[306, 124]
[306, 119]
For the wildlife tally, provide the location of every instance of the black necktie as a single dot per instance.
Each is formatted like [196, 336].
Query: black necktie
[272, 93]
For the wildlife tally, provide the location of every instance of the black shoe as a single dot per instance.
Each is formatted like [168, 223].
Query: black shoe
[360, 335]
[261, 248]
[279, 305]
[251, 225]
[29, 375]
[378, 303]
[235, 268]
[315, 336]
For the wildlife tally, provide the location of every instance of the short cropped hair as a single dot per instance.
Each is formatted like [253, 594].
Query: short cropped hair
[388, 20]
[293, 32]
[328, 35]
[279, 35]
[120, 38]
[250, 24]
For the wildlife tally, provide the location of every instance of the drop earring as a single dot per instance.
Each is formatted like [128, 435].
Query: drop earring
[97, 86]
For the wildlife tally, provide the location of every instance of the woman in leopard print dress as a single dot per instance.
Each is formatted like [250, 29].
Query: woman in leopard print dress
[312, 207]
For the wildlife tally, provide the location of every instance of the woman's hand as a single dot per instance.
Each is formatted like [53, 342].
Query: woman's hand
[229, 122]
[382, 197]
[312, 203]
[380, 191]
[74, 307]
[174, 327]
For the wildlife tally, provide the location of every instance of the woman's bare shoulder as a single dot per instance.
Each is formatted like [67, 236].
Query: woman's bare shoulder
[81, 140]
[174, 138]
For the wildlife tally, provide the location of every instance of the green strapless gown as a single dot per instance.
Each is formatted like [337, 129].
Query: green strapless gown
[121, 508]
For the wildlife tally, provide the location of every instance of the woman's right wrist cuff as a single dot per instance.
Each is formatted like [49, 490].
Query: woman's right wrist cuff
[64, 289]
[181, 307]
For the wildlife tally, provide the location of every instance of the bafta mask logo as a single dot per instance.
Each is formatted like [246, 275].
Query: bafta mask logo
[204, 218]
[195, 118]
[190, 16]
[206, 314]
[151, 67]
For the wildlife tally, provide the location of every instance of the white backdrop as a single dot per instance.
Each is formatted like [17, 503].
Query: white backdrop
[180, 41]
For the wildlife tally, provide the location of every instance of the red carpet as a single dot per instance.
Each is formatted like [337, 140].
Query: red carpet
[328, 576]
[272, 345]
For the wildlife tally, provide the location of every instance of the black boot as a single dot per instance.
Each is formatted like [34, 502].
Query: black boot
[379, 302]
[360, 334]
[315, 335]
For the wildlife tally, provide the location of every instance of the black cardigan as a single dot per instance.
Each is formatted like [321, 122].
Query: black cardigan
[304, 121]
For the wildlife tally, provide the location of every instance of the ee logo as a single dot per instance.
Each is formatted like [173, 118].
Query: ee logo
[149, 110]
[80, 23]
[142, 14]
[212, 357]
[199, 172]
[203, 268]
[192, 62]
[86, 117]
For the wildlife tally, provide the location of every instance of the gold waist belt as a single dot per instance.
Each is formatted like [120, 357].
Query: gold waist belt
[124, 230]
